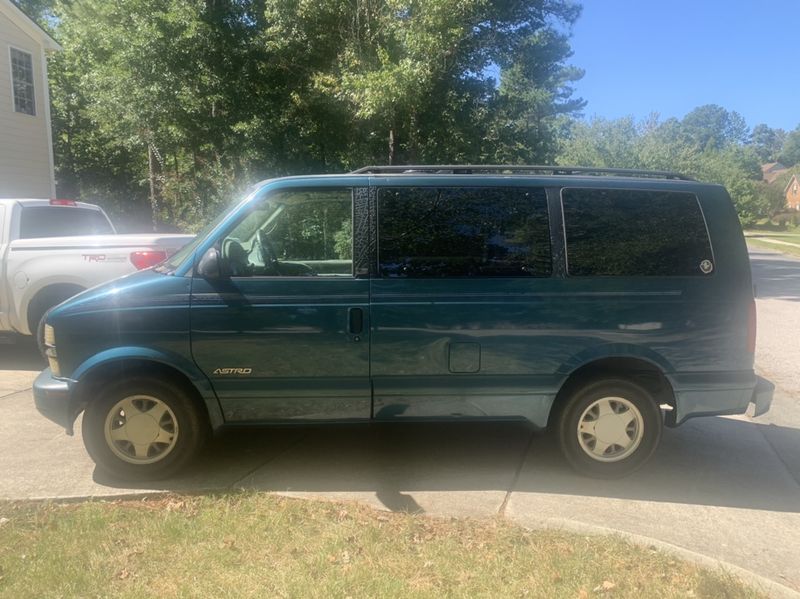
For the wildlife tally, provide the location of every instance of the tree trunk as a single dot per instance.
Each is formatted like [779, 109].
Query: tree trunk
[391, 147]
[151, 170]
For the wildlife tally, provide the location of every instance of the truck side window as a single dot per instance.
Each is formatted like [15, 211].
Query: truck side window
[294, 233]
[615, 232]
[463, 232]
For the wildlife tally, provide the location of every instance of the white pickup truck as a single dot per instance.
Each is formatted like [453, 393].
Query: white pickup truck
[54, 249]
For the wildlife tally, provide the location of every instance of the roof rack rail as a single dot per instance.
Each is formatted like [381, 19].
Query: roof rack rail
[511, 169]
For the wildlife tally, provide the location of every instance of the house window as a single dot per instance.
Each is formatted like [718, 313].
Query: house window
[22, 82]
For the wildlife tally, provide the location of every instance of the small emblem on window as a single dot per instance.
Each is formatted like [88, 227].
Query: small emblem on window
[706, 266]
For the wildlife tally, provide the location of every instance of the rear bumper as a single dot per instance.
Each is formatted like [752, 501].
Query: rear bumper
[719, 393]
[762, 396]
[53, 399]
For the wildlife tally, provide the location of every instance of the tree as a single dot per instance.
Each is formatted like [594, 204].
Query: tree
[39, 10]
[712, 127]
[188, 101]
[714, 152]
[772, 194]
[417, 76]
[767, 142]
[790, 152]
[603, 143]
[165, 83]
[535, 99]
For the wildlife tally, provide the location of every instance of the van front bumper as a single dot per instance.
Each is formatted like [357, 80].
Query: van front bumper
[53, 399]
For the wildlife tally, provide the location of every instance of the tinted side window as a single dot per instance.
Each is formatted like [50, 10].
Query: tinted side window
[457, 232]
[634, 233]
[62, 221]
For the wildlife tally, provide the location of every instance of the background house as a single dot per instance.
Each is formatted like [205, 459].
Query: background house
[26, 148]
[792, 193]
[772, 170]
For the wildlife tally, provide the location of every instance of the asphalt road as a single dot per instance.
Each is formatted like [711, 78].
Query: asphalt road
[727, 488]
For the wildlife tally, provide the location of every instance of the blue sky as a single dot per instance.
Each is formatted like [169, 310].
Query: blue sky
[671, 56]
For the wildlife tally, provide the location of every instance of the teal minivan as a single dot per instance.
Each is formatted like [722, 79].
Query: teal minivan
[602, 304]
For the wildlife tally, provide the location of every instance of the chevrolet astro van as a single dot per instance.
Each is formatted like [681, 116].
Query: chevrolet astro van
[602, 304]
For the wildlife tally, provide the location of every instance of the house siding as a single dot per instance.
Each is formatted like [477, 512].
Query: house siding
[25, 170]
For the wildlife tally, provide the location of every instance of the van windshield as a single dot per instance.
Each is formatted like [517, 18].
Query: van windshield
[174, 261]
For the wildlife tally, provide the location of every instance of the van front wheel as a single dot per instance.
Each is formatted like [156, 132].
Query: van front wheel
[609, 428]
[143, 429]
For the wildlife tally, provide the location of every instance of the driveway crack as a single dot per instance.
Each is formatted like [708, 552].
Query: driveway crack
[779, 455]
[512, 487]
[269, 460]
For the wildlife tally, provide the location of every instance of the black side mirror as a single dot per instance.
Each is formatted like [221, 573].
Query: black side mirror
[209, 266]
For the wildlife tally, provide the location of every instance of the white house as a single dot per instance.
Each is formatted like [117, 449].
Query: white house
[26, 145]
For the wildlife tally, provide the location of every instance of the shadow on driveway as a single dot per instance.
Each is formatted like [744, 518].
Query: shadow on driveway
[722, 462]
[777, 275]
[20, 353]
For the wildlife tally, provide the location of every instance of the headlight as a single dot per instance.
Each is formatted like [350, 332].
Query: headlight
[49, 336]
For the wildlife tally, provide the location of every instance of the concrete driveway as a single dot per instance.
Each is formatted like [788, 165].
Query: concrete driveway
[727, 488]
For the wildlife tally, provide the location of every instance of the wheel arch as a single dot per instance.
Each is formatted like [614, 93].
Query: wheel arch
[637, 369]
[93, 373]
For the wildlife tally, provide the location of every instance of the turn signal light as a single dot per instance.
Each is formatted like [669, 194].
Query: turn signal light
[142, 259]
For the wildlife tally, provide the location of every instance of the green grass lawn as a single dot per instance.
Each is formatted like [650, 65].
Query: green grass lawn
[766, 240]
[259, 545]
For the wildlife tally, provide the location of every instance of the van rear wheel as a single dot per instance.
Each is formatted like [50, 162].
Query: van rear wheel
[609, 428]
[143, 428]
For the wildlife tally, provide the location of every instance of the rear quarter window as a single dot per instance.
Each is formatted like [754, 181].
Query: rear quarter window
[612, 232]
[62, 221]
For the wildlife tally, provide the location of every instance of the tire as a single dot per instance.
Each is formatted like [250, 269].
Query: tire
[628, 436]
[166, 431]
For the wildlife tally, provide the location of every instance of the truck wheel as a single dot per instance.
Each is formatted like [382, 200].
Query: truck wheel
[41, 304]
[609, 428]
[143, 428]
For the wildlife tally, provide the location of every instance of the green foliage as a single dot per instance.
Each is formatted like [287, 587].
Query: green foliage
[180, 103]
[343, 240]
[165, 110]
[712, 127]
[604, 143]
[790, 152]
[767, 142]
[39, 10]
[706, 144]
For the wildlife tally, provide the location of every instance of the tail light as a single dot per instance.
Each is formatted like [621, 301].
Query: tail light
[751, 327]
[146, 259]
[57, 202]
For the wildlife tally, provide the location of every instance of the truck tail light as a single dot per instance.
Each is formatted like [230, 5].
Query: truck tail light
[146, 259]
[57, 202]
[751, 327]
